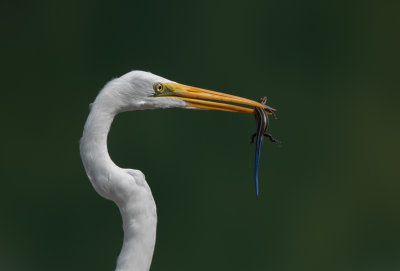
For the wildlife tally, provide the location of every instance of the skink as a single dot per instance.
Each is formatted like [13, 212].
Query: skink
[261, 115]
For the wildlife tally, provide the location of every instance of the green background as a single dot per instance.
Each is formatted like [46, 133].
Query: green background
[329, 193]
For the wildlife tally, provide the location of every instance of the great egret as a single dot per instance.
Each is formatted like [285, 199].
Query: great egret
[138, 90]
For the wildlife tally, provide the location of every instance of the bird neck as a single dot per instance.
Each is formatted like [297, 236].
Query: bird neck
[94, 151]
[139, 237]
[126, 187]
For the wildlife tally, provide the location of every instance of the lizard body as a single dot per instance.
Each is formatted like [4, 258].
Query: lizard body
[261, 115]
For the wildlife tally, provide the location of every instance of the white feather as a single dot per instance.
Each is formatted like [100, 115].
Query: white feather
[126, 187]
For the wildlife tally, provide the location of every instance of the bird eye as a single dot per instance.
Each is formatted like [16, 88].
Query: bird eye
[158, 87]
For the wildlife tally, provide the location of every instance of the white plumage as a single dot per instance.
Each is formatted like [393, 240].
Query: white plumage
[128, 188]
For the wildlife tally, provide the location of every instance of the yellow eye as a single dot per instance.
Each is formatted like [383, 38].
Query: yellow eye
[158, 87]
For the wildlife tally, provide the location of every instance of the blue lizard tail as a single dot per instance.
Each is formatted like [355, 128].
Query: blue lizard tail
[259, 141]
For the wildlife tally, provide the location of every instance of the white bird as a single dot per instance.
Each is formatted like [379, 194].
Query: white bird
[137, 90]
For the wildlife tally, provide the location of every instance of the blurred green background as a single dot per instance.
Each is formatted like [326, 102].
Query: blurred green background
[329, 193]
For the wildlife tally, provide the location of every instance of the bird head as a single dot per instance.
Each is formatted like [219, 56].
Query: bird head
[138, 90]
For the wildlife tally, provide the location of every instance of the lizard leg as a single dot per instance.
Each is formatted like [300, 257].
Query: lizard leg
[270, 137]
[252, 138]
[273, 114]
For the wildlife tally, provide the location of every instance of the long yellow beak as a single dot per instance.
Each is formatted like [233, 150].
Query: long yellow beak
[200, 98]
